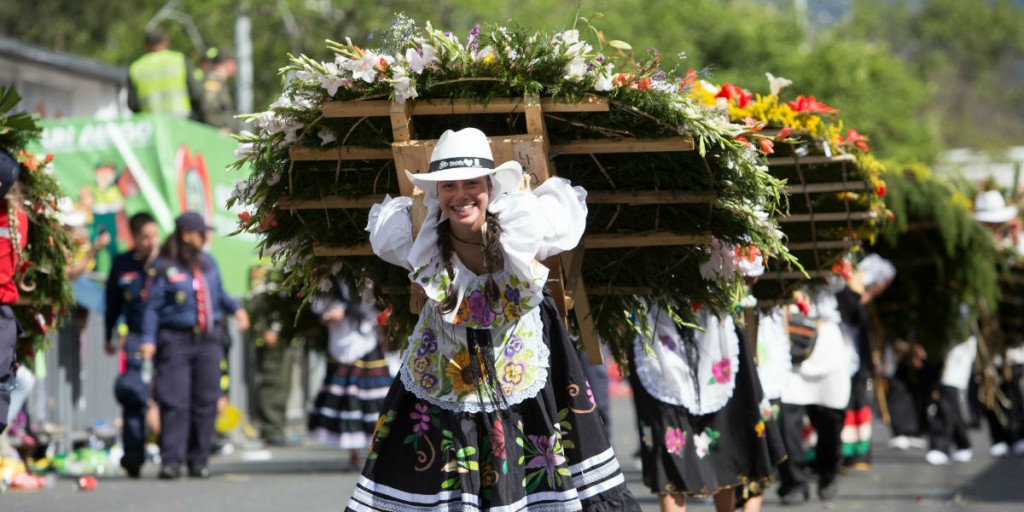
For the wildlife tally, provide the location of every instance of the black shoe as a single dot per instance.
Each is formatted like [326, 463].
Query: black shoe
[169, 473]
[131, 465]
[199, 472]
[795, 496]
[828, 491]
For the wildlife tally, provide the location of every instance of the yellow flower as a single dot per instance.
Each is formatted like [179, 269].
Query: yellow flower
[759, 428]
[463, 378]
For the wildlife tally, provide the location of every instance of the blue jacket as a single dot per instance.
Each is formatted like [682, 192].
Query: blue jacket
[172, 300]
[124, 294]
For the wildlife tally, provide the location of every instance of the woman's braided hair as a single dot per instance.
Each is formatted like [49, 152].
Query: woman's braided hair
[493, 261]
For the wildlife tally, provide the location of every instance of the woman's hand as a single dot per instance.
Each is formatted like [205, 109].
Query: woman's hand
[242, 319]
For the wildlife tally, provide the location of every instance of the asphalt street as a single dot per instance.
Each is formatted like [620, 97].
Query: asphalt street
[312, 478]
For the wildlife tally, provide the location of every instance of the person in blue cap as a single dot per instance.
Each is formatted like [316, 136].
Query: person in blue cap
[125, 304]
[182, 332]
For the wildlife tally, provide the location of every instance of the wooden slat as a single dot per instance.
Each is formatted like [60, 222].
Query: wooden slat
[637, 197]
[328, 202]
[794, 275]
[838, 186]
[299, 154]
[600, 146]
[362, 249]
[369, 108]
[383, 108]
[809, 160]
[587, 104]
[827, 217]
[614, 241]
[572, 262]
[827, 244]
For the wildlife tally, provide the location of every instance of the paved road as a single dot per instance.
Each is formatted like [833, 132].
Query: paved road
[308, 478]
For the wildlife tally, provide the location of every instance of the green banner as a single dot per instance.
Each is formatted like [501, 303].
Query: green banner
[115, 168]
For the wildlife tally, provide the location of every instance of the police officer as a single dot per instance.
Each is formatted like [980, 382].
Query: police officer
[182, 327]
[160, 80]
[216, 104]
[13, 238]
[126, 298]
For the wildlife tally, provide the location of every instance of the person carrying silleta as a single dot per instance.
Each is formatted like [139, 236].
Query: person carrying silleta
[126, 301]
[182, 328]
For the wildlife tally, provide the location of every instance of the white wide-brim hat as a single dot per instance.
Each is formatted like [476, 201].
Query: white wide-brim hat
[991, 208]
[464, 155]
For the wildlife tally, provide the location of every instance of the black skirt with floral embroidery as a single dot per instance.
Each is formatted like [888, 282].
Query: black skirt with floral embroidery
[686, 454]
[547, 453]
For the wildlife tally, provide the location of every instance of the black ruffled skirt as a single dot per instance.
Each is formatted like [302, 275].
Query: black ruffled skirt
[547, 453]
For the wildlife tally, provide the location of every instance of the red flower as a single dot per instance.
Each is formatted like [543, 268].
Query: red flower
[743, 140]
[855, 138]
[689, 80]
[730, 92]
[767, 146]
[880, 189]
[695, 307]
[803, 305]
[498, 440]
[383, 316]
[844, 270]
[809, 105]
[269, 221]
[49, 157]
[784, 132]
[621, 79]
[244, 216]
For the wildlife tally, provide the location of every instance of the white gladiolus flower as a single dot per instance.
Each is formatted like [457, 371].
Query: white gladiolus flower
[243, 150]
[422, 59]
[404, 87]
[326, 136]
[777, 83]
[604, 79]
[721, 264]
[364, 68]
[336, 267]
[325, 285]
[274, 179]
[576, 69]
[303, 75]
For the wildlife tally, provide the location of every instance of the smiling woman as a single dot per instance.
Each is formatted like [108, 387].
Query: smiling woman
[489, 359]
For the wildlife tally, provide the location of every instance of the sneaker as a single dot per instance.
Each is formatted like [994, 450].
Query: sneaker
[1018, 448]
[999, 450]
[199, 472]
[828, 491]
[794, 496]
[169, 473]
[963, 456]
[900, 443]
[918, 442]
[936, 458]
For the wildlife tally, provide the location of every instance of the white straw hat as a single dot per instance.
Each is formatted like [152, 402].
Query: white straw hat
[991, 208]
[464, 155]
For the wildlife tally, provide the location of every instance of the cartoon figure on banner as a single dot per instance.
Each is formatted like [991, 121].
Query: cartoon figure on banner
[105, 202]
[194, 193]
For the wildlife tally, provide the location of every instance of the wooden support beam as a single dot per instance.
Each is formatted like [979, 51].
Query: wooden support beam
[572, 263]
[367, 108]
[780, 161]
[826, 244]
[827, 217]
[629, 240]
[299, 154]
[640, 197]
[383, 108]
[362, 249]
[330, 202]
[812, 188]
[600, 146]
[534, 115]
[401, 121]
[794, 275]
[604, 290]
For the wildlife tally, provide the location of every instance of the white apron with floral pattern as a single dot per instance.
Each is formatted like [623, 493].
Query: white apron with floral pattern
[667, 375]
[535, 225]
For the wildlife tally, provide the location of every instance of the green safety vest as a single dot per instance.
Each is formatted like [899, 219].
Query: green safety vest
[161, 83]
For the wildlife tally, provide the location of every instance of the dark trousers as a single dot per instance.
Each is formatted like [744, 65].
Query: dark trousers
[133, 395]
[275, 365]
[828, 453]
[946, 425]
[902, 409]
[187, 381]
[1007, 425]
[8, 336]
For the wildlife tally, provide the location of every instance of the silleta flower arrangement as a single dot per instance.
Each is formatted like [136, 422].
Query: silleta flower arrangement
[45, 292]
[717, 187]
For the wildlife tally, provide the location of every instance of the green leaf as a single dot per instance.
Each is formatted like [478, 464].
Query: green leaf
[448, 484]
[621, 45]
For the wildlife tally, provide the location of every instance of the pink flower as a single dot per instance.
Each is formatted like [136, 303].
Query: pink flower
[421, 418]
[722, 370]
[675, 440]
